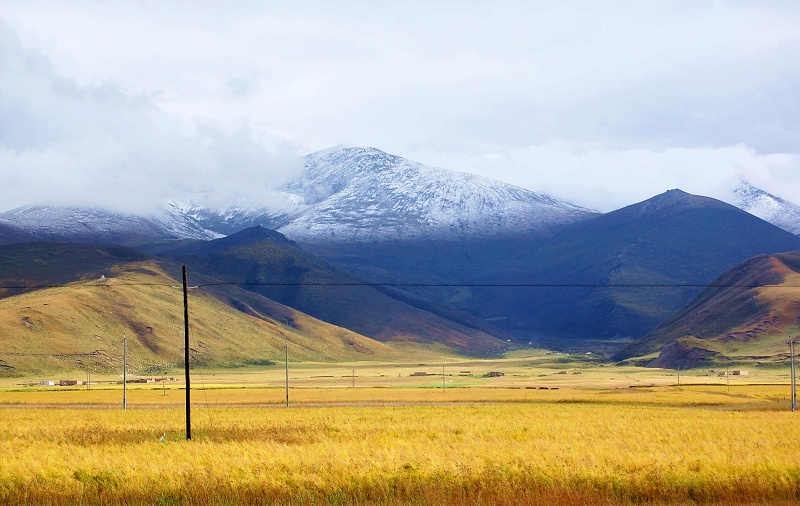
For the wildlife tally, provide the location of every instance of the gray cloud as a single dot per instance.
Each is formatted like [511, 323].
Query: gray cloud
[62, 142]
[601, 103]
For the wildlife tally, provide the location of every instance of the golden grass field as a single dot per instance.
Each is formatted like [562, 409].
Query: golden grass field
[609, 435]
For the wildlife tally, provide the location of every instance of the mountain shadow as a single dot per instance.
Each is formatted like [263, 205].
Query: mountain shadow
[602, 282]
[254, 260]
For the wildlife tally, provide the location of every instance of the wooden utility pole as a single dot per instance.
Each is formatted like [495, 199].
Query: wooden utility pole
[728, 376]
[286, 348]
[793, 375]
[124, 372]
[186, 355]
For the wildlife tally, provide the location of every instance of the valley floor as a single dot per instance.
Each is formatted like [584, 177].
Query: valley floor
[378, 434]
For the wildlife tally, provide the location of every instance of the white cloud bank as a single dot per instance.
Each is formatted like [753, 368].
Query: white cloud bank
[607, 179]
[66, 143]
[599, 103]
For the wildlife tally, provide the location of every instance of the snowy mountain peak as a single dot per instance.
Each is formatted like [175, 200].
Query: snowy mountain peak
[343, 194]
[330, 171]
[768, 207]
[85, 223]
[364, 194]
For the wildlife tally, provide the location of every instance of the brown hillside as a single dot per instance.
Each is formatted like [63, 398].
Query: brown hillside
[747, 314]
[80, 326]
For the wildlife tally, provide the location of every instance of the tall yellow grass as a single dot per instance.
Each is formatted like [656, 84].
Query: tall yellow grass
[500, 453]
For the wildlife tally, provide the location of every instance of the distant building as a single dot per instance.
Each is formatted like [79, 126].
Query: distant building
[47, 383]
[495, 374]
[68, 383]
[741, 373]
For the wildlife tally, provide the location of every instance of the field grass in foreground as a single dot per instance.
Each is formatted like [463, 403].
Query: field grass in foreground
[660, 445]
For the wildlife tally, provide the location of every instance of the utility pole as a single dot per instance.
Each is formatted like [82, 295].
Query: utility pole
[354, 378]
[728, 376]
[794, 375]
[186, 355]
[442, 378]
[679, 375]
[124, 372]
[286, 348]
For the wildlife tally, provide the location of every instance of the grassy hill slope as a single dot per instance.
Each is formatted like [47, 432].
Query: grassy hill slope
[748, 314]
[80, 324]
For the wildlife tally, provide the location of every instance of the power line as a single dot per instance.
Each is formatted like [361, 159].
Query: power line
[509, 285]
[420, 285]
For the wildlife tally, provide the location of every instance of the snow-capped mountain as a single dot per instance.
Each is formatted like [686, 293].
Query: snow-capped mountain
[342, 195]
[364, 194]
[353, 194]
[78, 223]
[775, 210]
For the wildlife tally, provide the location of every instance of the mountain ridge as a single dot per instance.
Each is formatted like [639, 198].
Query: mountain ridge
[364, 194]
[347, 194]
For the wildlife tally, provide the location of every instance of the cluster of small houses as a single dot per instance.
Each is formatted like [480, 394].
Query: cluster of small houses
[490, 374]
[71, 382]
[732, 373]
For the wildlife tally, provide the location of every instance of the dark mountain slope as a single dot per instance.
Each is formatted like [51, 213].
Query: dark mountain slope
[10, 234]
[582, 282]
[244, 237]
[284, 273]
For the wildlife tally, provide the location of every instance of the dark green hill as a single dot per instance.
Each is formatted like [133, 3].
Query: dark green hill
[748, 312]
[583, 282]
[253, 259]
[196, 247]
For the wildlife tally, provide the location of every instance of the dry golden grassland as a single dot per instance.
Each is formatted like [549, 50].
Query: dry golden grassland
[479, 445]
[54, 329]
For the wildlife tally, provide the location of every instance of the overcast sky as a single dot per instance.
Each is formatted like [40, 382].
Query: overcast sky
[603, 104]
